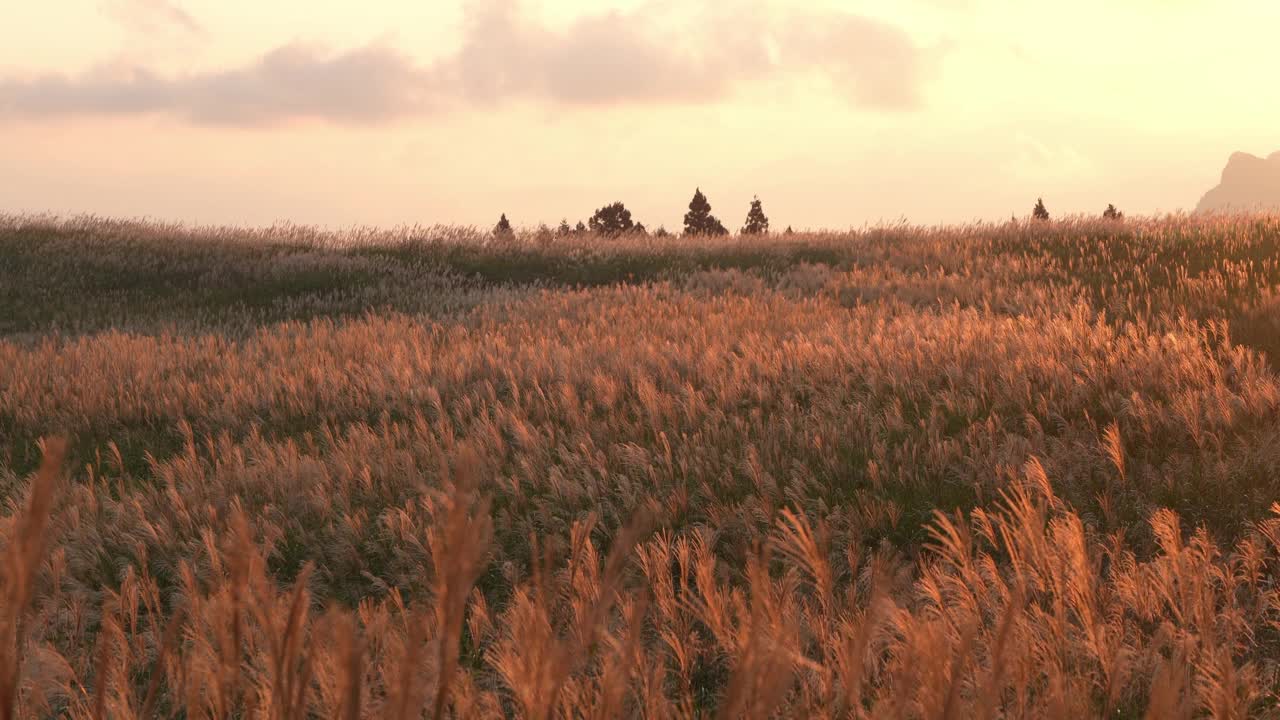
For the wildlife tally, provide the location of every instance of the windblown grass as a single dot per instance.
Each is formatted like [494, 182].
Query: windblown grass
[1019, 470]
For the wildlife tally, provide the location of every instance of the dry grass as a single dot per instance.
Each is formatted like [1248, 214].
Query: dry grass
[996, 471]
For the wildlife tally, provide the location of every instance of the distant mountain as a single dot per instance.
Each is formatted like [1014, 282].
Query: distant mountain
[1248, 183]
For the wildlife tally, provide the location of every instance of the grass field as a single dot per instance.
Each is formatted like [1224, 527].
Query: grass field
[1015, 470]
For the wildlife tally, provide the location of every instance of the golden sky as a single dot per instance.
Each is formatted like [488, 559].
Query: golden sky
[452, 111]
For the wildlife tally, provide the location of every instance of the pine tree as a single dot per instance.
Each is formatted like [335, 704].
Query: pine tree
[1111, 213]
[699, 220]
[789, 231]
[1040, 212]
[564, 228]
[757, 222]
[580, 227]
[612, 219]
[503, 227]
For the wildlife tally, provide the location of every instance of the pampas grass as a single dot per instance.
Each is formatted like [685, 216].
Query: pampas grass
[997, 471]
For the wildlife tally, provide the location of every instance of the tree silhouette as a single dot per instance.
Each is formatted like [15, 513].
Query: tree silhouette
[699, 220]
[1040, 212]
[1111, 213]
[612, 219]
[564, 228]
[757, 222]
[503, 227]
[789, 231]
[580, 228]
[661, 232]
[640, 229]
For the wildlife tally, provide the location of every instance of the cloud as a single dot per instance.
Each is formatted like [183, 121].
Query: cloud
[151, 16]
[875, 64]
[598, 60]
[365, 86]
[605, 59]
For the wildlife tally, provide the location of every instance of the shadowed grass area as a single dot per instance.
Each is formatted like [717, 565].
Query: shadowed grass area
[87, 274]
[83, 276]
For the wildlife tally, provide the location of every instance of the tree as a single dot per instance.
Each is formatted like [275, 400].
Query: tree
[699, 220]
[640, 229]
[661, 232]
[612, 219]
[580, 228]
[789, 231]
[503, 227]
[564, 228]
[1040, 212]
[1111, 213]
[757, 222]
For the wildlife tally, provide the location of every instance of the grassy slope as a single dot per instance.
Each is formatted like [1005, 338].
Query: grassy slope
[326, 385]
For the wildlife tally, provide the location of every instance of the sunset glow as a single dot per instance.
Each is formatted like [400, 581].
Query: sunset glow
[838, 114]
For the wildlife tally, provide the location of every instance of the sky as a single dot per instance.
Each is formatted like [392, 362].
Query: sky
[836, 114]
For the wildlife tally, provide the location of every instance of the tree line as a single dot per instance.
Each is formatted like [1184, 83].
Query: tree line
[1040, 212]
[615, 219]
